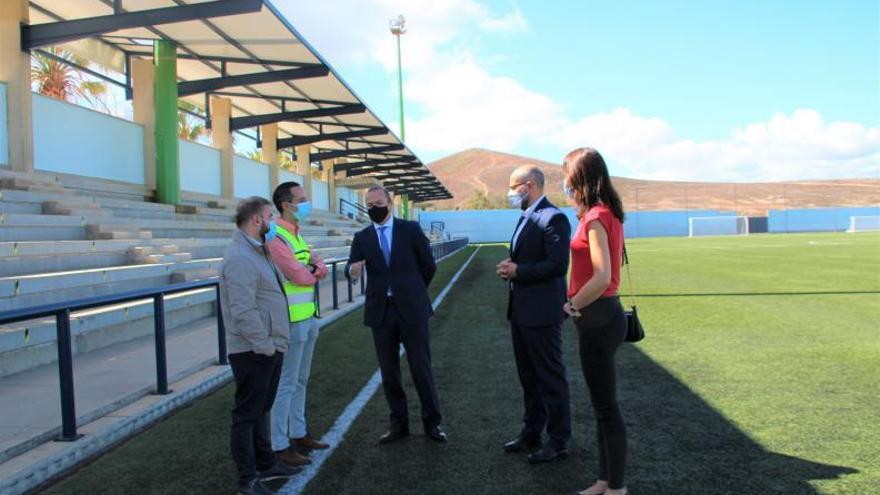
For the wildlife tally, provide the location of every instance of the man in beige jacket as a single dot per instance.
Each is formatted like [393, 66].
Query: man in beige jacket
[255, 316]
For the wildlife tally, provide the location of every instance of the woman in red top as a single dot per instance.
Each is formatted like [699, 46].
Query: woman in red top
[596, 250]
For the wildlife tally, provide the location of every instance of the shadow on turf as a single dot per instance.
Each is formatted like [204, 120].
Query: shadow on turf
[681, 444]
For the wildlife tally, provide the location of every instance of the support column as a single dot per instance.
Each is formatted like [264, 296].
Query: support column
[404, 206]
[15, 71]
[221, 138]
[167, 147]
[304, 167]
[330, 173]
[397, 205]
[269, 135]
[144, 103]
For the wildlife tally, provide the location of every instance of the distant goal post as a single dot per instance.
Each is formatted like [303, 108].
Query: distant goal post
[723, 225]
[864, 223]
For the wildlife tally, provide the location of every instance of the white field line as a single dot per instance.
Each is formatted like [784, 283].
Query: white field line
[336, 434]
[737, 247]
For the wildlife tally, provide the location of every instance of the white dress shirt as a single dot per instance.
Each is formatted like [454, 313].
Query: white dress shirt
[522, 224]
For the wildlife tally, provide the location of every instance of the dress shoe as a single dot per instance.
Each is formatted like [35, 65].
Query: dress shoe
[522, 443]
[279, 471]
[547, 454]
[436, 433]
[310, 443]
[292, 458]
[394, 434]
[254, 487]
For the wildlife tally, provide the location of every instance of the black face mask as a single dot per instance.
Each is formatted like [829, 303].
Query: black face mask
[378, 213]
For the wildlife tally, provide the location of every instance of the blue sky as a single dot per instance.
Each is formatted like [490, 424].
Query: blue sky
[741, 90]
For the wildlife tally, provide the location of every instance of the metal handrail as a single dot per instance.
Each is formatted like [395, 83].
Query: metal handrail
[343, 203]
[62, 310]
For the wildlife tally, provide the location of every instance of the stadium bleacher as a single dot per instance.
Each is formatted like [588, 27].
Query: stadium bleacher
[97, 237]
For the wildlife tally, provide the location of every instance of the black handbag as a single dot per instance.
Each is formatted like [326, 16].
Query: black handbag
[634, 330]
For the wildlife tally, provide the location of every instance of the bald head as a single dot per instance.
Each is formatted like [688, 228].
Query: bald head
[527, 181]
[528, 173]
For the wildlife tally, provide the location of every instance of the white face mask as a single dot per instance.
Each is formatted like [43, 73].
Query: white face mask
[516, 199]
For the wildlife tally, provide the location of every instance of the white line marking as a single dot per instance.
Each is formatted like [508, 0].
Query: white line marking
[336, 434]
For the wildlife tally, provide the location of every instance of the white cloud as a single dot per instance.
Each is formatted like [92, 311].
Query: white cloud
[797, 146]
[465, 106]
[455, 102]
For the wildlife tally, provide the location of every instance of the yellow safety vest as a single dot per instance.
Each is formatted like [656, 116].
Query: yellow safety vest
[300, 298]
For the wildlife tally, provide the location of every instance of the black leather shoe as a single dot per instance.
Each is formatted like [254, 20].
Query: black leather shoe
[547, 454]
[394, 434]
[435, 433]
[279, 471]
[522, 443]
[254, 488]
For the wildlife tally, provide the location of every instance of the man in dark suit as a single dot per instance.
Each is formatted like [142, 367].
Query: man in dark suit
[535, 272]
[399, 265]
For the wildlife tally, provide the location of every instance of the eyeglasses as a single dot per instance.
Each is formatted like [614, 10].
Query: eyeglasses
[514, 186]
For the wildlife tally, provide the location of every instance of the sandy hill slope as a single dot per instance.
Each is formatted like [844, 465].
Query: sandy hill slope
[478, 178]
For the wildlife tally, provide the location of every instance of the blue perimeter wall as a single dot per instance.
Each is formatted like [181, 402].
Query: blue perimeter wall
[498, 225]
[817, 219]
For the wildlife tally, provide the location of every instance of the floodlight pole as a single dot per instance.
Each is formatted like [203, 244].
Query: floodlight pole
[398, 28]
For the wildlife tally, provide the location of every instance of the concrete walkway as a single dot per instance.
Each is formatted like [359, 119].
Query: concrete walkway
[114, 395]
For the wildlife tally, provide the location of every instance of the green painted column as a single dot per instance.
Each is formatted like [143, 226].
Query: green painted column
[404, 205]
[167, 154]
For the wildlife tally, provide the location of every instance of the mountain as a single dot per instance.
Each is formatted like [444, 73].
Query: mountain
[478, 178]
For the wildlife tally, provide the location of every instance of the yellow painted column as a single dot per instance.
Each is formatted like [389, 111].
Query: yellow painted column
[15, 71]
[304, 167]
[330, 174]
[221, 137]
[269, 135]
[142, 76]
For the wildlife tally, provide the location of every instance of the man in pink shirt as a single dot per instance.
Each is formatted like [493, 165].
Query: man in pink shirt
[301, 269]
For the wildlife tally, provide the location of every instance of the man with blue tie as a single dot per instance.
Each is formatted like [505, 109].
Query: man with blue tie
[400, 266]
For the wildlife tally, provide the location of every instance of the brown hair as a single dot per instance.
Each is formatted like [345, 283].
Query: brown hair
[249, 207]
[587, 176]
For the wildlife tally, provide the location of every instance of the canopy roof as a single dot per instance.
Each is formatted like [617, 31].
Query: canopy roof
[247, 51]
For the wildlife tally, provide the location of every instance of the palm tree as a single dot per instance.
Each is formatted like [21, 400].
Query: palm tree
[256, 155]
[188, 127]
[53, 77]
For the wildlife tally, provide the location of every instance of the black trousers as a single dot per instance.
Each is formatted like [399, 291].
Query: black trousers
[256, 381]
[601, 330]
[538, 352]
[417, 342]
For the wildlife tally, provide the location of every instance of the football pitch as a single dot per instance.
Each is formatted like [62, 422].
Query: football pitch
[759, 373]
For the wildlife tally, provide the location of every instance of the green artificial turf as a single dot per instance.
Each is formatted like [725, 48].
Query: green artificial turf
[188, 452]
[744, 393]
[758, 375]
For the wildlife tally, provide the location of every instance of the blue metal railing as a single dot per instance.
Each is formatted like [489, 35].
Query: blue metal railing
[351, 210]
[62, 310]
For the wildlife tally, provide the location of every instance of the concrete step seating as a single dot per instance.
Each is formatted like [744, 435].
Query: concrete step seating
[107, 238]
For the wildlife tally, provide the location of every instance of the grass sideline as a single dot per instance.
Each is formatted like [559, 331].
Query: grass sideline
[728, 394]
[188, 452]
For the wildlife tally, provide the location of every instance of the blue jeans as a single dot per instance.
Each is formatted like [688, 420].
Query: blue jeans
[289, 409]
